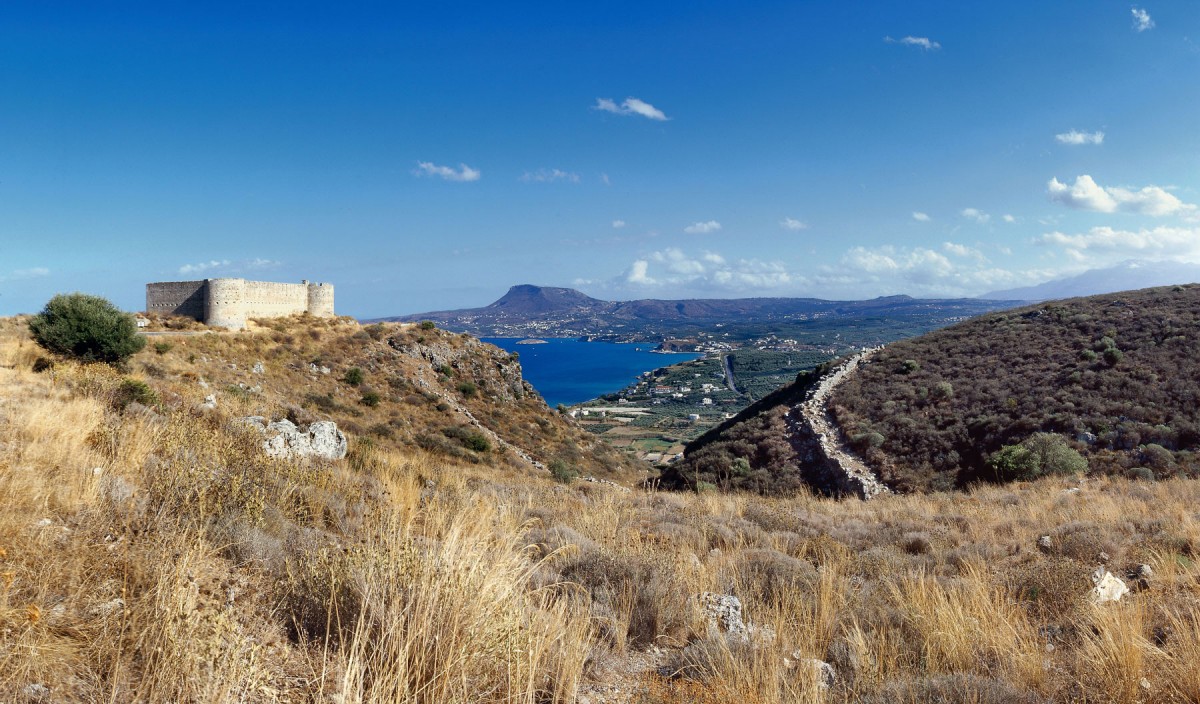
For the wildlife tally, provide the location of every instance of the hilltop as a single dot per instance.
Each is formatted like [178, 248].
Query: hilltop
[562, 312]
[1112, 377]
[152, 550]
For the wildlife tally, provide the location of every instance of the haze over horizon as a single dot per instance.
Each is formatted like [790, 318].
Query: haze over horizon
[427, 158]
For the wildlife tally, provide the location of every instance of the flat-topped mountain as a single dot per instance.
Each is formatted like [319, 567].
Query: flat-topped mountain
[527, 299]
[543, 310]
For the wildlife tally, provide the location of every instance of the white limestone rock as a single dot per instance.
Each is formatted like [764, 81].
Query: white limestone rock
[283, 439]
[724, 614]
[1107, 587]
[821, 671]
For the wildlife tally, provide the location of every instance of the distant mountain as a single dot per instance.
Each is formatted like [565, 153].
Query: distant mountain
[548, 311]
[1126, 276]
[527, 299]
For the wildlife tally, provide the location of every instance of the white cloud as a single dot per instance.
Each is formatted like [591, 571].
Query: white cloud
[1086, 194]
[1008, 218]
[1175, 242]
[960, 250]
[637, 274]
[462, 174]
[1141, 19]
[604, 179]
[1076, 138]
[702, 228]
[36, 272]
[256, 264]
[674, 267]
[919, 271]
[204, 266]
[923, 42]
[920, 217]
[618, 224]
[793, 224]
[977, 215]
[631, 106]
[549, 176]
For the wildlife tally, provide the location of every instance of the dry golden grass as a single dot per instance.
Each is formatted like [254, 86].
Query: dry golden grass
[156, 554]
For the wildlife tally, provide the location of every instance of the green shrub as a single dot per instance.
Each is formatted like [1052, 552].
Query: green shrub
[467, 388]
[134, 391]
[86, 327]
[470, 439]
[909, 366]
[376, 331]
[427, 325]
[1112, 355]
[162, 347]
[1038, 455]
[562, 472]
[371, 398]
[354, 376]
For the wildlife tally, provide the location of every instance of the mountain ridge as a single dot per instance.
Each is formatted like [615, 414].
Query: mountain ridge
[547, 310]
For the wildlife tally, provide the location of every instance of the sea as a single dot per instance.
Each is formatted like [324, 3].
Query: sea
[570, 371]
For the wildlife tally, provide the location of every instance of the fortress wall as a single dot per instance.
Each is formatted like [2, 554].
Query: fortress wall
[320, 300]
[229, 303]
[264, 299]
[225, 306]
[176, 298]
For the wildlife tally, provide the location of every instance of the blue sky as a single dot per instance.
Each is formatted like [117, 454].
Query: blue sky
[426, 156]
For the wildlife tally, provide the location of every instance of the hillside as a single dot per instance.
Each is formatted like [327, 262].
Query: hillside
[444, 393]
[1113, 377]
[528, 310]
[151, 550]
[1114, 374]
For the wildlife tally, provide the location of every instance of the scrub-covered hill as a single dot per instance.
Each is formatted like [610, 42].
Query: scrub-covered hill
[1116, 377]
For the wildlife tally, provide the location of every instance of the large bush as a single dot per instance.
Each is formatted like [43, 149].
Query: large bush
[87, 328]
[1038, 455]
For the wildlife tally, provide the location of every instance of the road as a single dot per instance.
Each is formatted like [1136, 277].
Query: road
[729, 373]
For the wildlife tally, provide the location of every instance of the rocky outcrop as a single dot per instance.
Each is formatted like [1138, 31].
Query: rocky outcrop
[496, 372]
[283, 439]
[818, 443]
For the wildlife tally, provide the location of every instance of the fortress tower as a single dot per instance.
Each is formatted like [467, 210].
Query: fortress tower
[229, 303]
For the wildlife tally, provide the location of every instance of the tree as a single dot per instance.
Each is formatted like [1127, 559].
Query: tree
[88, 328]
[1038, 455]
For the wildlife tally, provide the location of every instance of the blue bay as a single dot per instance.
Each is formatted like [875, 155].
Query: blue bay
[569, 371]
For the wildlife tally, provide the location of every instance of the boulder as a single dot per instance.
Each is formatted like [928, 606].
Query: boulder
[821, 671]
[283, 439]
[1107, 587]
[724, 614]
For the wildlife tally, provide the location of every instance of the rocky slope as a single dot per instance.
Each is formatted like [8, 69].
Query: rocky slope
[428, 389]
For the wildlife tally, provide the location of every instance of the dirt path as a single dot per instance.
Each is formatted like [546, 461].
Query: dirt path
[815, 411]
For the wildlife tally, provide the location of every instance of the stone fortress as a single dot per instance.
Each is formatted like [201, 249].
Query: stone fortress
[229, 303]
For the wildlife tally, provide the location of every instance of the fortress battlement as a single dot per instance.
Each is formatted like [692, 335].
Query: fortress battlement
[229, 303]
